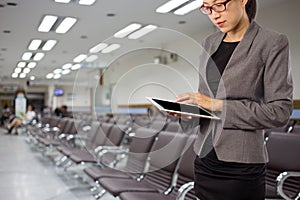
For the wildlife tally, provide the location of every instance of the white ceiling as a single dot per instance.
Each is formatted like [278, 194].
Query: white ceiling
[93, 23]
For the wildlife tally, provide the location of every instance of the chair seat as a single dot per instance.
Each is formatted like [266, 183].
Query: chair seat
[116, 186]
[144, 196]
[96, 172]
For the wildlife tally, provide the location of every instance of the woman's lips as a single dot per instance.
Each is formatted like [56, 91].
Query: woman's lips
[220, 24]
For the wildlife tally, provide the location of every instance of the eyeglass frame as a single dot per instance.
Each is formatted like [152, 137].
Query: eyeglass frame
[210, 8]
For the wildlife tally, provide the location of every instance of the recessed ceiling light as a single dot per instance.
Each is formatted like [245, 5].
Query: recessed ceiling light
[38, 56]
[65, 72]
[170, 5]
[79, 58]
[18, 70]
[65, 25]
[27, 56]
[86, 2]
[75, 67]
[111, 48]
[21, 64]
[49, 45]
[26, 70]
[142, 32]
[189, 7]
[57, 71]
[67, 66]
[56, 76]
[32, 78]
[14, 75]
[98, 48]
[22, 75]
[127, 30]
[62, 1]
[91, 58]
[47, 23]
[34, 45]
[31, 65]
[49, 76]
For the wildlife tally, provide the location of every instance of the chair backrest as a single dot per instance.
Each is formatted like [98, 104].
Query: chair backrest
[91, 135]
[102, 135]
[173, 126]
[158, 125]
[116, 135]
[139, 148]
[163, 159]
[284, 151]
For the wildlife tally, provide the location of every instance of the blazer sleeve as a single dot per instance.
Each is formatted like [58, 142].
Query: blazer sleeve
[276, 106]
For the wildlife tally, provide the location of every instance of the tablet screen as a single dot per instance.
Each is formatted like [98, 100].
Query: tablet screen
[180, 107]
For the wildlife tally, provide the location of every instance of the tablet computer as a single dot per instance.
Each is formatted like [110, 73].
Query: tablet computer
[181, 108]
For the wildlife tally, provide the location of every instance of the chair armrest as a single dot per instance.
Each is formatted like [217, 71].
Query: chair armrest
[280, 181]
[184, 189]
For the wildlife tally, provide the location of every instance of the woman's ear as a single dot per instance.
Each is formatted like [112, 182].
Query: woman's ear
[244, 2]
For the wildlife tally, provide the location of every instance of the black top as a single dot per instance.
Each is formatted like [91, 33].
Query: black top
[217, 64]
[215, 68]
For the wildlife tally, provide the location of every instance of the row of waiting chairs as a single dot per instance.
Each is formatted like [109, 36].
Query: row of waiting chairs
[147, 174]
[111, 135]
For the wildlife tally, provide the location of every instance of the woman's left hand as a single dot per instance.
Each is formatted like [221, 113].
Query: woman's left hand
[201, 100]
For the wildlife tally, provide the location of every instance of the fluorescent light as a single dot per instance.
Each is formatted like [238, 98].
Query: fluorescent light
[127, 30]
[76, 66]
[49, 45]
[65, 25]
[189, 7]
[56, 76]
[111, 48]
[14, 75]
[86, 2]
[47, 23]
[26, 70]
[62, 1]
[27, 56]
[49, 76]
[31, 65]
[98, 47]
[67, 66]
[91, 58]
[142, 32]
[22, 75]
[38, 56]
[80, 58]
[34, 45]
[57, 71]
[65, 72]
[21, 64]
[18, 70]
[32, 78]
[170, 5]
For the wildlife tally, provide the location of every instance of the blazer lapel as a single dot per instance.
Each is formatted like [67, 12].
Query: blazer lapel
[242, 49]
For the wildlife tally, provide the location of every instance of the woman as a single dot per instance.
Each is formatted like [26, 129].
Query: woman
[247, 82]
[26, 118]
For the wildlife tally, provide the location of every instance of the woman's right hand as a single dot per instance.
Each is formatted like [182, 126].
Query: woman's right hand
[182, 117]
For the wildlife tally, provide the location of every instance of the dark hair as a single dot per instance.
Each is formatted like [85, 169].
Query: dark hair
[251, 7]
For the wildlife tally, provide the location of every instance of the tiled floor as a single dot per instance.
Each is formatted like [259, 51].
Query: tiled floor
[27, 175]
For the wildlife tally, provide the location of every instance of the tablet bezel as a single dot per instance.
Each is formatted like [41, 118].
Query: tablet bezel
[152, 100]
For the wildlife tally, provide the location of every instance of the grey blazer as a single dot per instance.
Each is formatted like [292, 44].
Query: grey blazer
[257, 90]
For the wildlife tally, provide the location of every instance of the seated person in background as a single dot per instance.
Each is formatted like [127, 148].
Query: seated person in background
[64, 112]
[26, 118]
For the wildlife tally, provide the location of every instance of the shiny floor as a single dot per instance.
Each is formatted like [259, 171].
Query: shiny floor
[27, 175]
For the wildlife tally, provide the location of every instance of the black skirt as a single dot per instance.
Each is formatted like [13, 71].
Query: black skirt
[219, 180]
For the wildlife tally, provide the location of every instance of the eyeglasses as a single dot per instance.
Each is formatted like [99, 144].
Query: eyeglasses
[219, 7]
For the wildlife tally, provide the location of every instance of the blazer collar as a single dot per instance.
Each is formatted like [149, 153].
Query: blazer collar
[245, 42]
